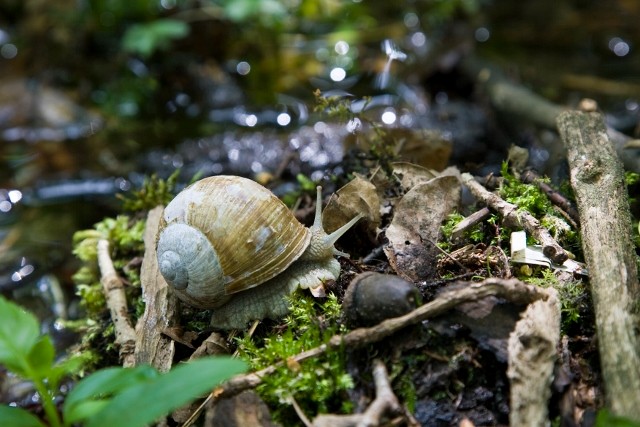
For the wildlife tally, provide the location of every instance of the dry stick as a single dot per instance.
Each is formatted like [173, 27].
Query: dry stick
[531, 177]
[117, 303]
[511, 289]
[385, 402]
[469, 222]
[515, 218]
[598, 181]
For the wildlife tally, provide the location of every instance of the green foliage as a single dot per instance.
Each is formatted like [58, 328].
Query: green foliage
[572, 295]
[530, 198]
[335, 107]
[29, 355]
[145, 39]
[527, 197]
[125, 237]
[631, 178]
[154, 192]
[475, 234]
[607, 419]
[268, 13]
[318, 384]
[115, 396]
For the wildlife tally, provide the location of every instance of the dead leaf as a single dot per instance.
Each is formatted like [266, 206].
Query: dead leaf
[415, 228]
[358, 196]
[411, 174]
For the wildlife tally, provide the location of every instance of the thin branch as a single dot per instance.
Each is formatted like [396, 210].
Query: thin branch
[531, 177]
[516, 218]
[117, 302]
[511, 289]
[385, 403]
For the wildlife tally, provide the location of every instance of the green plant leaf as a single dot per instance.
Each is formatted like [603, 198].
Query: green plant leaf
[144, 39]
[91, 394]
[19, 332]
[145, 402]
[18, 417]
[607, 419]
[41, 357]
[72, 365]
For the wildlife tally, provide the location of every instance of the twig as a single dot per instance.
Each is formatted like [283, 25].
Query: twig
[511, 289]
[598, 181]
[469, 222]
[385, 403]
[117, 303]
[531, 177]
[516, 218]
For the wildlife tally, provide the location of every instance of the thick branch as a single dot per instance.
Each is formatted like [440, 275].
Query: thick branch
[117, 303]
[515, 218]
[598, 181]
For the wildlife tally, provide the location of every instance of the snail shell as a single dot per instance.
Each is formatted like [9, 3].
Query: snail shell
[224, 235]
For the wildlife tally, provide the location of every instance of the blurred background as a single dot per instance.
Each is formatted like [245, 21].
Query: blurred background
[97, 94]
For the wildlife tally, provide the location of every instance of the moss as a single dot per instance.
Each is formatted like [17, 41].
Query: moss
[573, 294]
[125, 236]
[474, 234]
[530, 198]
[153, 192]
[527, 197]
[318, 384]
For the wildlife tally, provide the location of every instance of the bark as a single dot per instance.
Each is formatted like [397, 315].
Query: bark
[532, 355]
[153, 347]
[598, 181]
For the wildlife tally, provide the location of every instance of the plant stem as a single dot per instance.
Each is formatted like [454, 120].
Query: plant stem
[47, 402]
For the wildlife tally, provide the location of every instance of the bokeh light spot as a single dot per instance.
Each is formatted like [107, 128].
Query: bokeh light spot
[341, 47]
[243, 68]
[482, 34]
[388, 117]
[283, 119]
[338, 74]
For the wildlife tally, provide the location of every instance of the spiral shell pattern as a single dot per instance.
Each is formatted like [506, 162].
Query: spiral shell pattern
[223, 235]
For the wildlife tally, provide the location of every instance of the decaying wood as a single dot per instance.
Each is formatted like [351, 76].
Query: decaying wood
[385, 404]
[598, 182]
[515, 218]
[160, 312]
[117, 302]
[532, 355]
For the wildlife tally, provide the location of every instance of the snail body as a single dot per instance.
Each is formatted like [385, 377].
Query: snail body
[227, 243]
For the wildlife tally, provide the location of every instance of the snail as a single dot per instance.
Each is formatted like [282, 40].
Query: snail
[227, 243]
